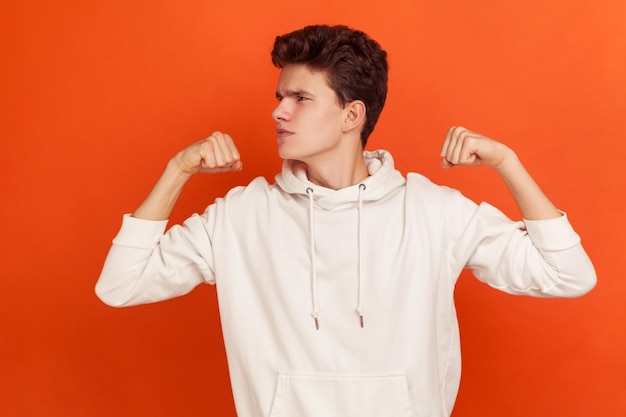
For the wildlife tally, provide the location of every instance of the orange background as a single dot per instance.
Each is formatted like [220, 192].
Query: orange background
[97, 96]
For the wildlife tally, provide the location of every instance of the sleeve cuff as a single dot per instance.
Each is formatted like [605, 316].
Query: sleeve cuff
[552, 234]
[139, 233]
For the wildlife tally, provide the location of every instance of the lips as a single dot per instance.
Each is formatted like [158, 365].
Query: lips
[283, 133]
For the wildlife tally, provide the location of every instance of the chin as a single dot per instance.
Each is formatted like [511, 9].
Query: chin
[282, 154]
[285, 154]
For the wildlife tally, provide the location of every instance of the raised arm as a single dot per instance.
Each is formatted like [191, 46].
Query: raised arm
[217, 153]
[144, 265]
[464, 147]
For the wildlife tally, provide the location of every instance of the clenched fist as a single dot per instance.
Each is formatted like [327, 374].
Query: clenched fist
[217, 153]
[464, 147]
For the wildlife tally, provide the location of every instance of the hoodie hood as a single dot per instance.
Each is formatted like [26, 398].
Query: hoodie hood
[383, 180]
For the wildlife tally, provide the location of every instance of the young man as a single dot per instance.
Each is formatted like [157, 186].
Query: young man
[336, 283]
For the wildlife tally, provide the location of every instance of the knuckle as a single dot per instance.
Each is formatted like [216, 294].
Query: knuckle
[215, 136]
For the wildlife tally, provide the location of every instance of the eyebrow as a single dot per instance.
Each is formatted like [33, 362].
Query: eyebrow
[295, 93]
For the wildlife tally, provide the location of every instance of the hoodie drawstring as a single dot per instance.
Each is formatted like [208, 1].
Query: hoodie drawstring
[359, 309]
[315, 313]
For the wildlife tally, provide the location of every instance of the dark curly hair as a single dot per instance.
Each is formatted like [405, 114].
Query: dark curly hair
[355, 65]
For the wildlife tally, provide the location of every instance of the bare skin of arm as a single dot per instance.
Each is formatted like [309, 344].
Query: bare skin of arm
[215, 154]
[464, 147]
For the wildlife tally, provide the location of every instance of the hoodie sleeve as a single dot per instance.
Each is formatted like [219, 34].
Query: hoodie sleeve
[146, 265]
[542, 258]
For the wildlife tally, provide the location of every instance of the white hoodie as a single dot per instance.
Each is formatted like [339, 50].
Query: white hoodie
[292, 255]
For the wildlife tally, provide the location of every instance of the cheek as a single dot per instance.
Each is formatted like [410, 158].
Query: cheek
[319, 119]
[330, 117]
[334, 119]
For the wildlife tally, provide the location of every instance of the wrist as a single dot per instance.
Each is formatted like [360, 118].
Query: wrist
[176, 170]
[508, 163]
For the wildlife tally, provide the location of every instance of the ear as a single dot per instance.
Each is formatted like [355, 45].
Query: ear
[354, 116]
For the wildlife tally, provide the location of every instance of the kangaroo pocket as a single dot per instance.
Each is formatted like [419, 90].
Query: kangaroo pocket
[324, 395]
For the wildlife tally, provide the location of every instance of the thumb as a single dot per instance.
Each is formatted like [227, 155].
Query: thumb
[237, 166]
[234, 167]
[446, 164]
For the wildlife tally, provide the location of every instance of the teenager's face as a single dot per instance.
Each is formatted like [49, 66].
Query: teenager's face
[309, 119]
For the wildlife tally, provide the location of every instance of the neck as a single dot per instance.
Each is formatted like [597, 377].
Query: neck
[338, 174]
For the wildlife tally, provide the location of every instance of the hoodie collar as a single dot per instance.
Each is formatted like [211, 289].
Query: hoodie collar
[383, 178]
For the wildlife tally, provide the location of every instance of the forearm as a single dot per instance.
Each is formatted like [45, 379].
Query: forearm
[159, 204]
[532, 202]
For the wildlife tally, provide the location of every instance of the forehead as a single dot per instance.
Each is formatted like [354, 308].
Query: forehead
[299, 77]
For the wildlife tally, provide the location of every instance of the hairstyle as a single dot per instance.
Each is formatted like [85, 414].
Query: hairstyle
[355, 65]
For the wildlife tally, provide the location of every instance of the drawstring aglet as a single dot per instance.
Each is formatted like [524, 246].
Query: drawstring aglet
[361, 319]
[317, 324]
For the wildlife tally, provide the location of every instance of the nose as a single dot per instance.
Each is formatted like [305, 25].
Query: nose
[281, 112]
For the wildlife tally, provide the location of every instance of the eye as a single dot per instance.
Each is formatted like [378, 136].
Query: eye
[302, 98]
